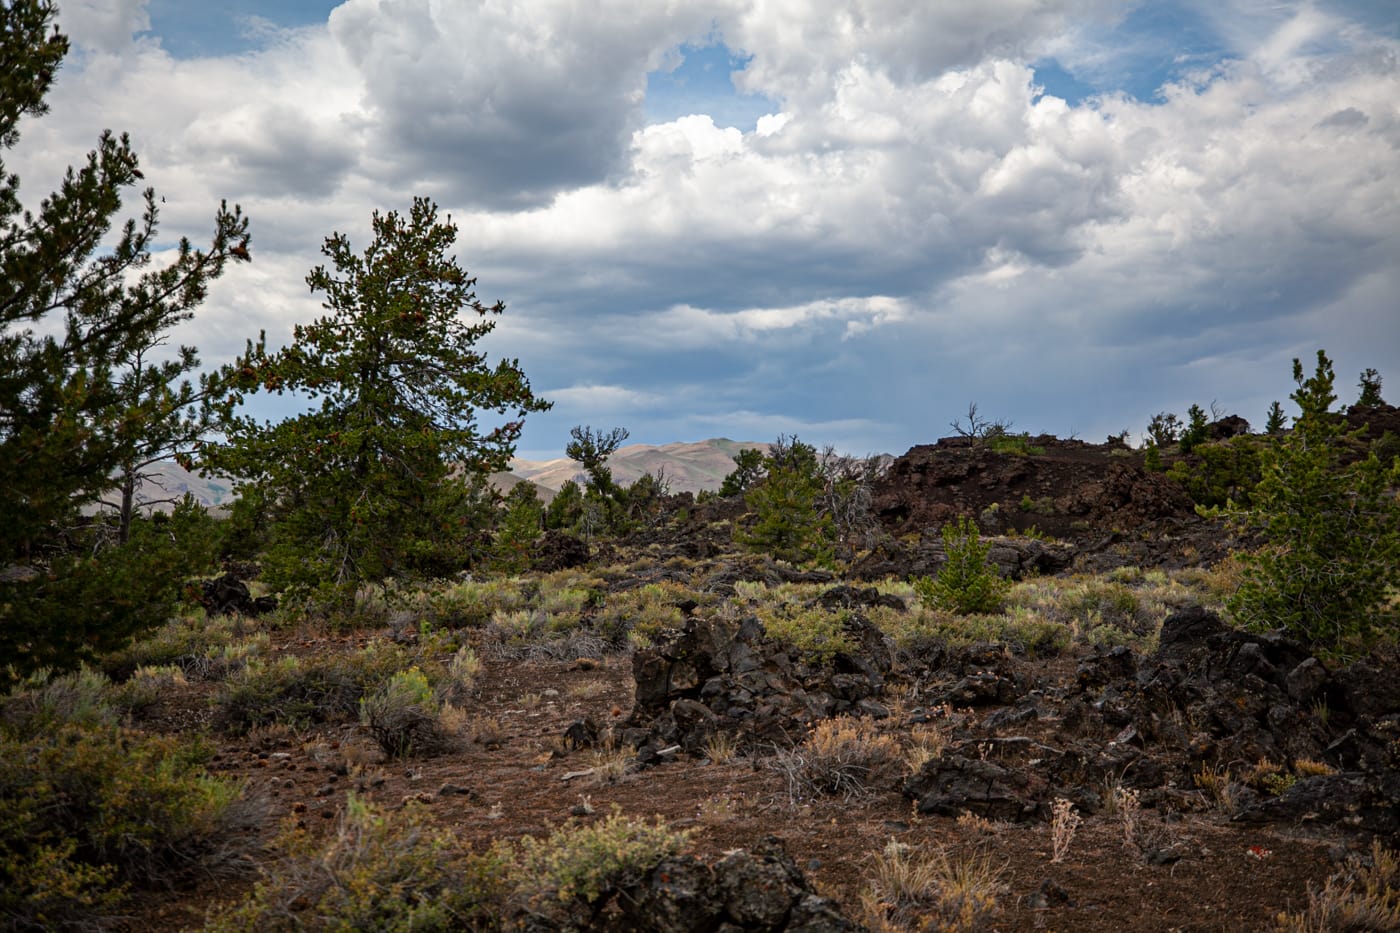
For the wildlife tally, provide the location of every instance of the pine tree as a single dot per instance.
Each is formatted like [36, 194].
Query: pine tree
[375, 481]
[591, 450]
[788, 520]
[1332, 532]
[77, 318]
[1370, 386]
[748, 470]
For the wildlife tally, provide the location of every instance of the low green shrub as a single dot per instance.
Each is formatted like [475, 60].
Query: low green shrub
[393, 871]
[1094, 603]
[562, 878]
[195, 643]
[145, 688]
[1023, 630]
[819, 635]
[1018, 444]
[42, 703]
[649, 611]
[472, 604]
[89, 811]
[297, 694]
[381, 870]
[403, 716]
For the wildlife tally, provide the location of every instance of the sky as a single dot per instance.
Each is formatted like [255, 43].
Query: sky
[841, 220]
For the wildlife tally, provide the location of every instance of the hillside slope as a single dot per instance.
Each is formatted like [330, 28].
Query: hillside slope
[690, 467]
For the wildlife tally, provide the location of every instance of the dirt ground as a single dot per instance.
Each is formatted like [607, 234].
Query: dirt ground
[513, 775]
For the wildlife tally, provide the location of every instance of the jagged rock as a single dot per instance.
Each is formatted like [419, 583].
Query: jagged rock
[951, 785]
[719, 675]
[852, 597]
[761, 890]
[677, 896]
[1306, 680]
[227, 593]
[557, 550]
[1370, 802]
[582, 733]
[1099, 670]
[1227, 427]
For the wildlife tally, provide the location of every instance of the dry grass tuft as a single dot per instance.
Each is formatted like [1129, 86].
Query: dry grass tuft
[925, 744]
[1364, 896]
[1216, 783]
[721, 747]
[611, 760]
[933, 890]
[844, 756]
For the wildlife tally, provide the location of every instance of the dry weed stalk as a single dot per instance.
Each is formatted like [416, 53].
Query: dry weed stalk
[1216, 784]
[1064, 821]
[1129, 810]
[610, 760]
[970, 822]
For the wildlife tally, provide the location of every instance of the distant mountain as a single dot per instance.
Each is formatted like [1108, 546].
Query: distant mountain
[690, 467]
[168, 480]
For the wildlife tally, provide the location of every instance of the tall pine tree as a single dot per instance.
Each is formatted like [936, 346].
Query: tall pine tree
[79, 312]
[375, 480]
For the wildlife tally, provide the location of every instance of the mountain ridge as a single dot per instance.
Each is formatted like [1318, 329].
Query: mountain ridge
[689, 466]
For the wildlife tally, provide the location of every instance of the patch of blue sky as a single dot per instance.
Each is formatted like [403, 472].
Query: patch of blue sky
[703, 83]
[1153, 44]
[189, 29]
[1379, 16]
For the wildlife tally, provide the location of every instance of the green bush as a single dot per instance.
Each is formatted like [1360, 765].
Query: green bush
[914, 632]
[298, 694]
[1220, 473]
[788, 520]
[1331, 553]
[43, 703]
[95, 599]
[384, 871]
[1017, 444]
[403, 716]
[819, 635]
[966, 583]
[1095, 603]
[562, 878]
[649, 611]
[393, 871]
[88, 811]
[201, 647]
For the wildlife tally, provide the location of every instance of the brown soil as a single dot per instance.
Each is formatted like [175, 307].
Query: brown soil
[516, 780]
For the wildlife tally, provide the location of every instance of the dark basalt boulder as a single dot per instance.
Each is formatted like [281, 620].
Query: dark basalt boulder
[759, 890]
[720, 675]
[557, 550]
[228, 594]
[952, 784]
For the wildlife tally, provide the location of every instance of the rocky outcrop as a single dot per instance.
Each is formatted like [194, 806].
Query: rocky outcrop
[228, 594]
[721, 675]
[1067, 489]
[1215, 697]
[761, 890]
